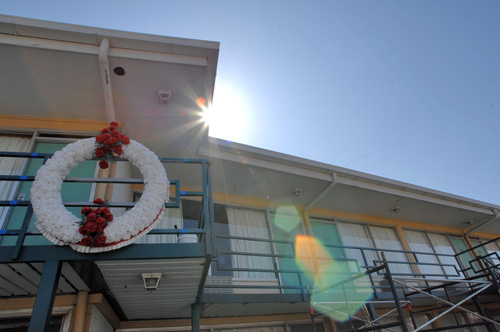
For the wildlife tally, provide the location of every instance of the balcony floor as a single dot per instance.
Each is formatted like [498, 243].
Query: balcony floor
[177, 290]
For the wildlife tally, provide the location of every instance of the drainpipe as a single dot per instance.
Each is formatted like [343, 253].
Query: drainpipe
[305, 216]
[484, 223]
[106, 79]
[320, 196]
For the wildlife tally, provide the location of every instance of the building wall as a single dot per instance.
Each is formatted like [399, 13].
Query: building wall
[98, 322]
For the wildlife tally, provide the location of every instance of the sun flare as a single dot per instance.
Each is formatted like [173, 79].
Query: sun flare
[226, 116]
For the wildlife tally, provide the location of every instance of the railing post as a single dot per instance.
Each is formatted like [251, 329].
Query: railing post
[22, 232]
[195, 317]
[45, 296]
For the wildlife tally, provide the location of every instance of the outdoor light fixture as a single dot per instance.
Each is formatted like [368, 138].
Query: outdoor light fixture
[151, 280]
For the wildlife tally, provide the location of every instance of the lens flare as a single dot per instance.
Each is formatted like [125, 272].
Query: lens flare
[286, 217]
[333, 293]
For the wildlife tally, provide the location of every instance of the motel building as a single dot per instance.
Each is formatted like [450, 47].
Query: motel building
[199, 234]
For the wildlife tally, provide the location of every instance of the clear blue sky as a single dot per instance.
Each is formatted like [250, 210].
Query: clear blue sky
[408, 90]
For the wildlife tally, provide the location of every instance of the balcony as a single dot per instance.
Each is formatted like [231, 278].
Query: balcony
[27, 257]
[224, 273]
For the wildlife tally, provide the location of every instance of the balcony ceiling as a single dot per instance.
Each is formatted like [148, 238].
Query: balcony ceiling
[177, 290]
[272, 180]
[53, 72]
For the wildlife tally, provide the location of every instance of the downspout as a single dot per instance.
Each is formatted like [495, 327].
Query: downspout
[305, 216]
[484, 223]
[320, 196]
[106, 79]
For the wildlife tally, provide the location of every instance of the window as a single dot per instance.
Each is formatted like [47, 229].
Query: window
[442, 245]
[245, 223]
[171, 217]
[432, 243]
[356, 235]
[76, 192]
[419, 243]
[11, 166]
[385, 238]
[250, 224]
[488, 250]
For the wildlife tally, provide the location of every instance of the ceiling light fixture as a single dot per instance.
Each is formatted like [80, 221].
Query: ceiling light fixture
[151, 280]
[164, 96]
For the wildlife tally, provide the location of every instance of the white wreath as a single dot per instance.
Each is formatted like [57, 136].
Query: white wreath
[61, 226]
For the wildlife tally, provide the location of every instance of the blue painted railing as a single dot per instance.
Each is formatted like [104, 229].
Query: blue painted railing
[206, 217]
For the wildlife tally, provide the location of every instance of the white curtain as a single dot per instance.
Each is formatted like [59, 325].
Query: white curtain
[418, 242]
[442, 245]
[355, 235]
[171, 217]
[385, 238]
[11, 166]
[249, 223]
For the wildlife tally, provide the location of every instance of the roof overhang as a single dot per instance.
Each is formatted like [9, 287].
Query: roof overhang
[353, 192]
[55, 73]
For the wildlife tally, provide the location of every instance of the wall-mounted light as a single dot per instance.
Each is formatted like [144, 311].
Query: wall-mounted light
[396, 209]
[151, 280]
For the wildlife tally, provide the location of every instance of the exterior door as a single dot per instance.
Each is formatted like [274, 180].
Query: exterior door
[287, 234]
[460, 246]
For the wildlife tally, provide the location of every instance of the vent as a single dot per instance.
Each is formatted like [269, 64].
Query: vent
[219, 281]
[164, 96]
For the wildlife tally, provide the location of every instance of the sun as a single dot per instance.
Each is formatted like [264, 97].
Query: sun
[226, 117]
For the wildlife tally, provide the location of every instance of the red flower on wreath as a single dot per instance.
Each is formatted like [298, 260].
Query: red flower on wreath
[99, 152]
[99, 201]
[109, 143]
[94, 221]
[87, 241]
[103, 164]
[100, 240]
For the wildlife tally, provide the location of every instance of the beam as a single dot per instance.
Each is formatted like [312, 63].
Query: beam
[134, 251]
[45, 296]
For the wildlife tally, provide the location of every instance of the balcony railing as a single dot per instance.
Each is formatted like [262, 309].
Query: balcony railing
[351, 260]
[204, 228]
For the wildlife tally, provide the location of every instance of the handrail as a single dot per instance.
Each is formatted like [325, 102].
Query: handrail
[478, 246]
[344, 259]
[334, 246]
[205, 219]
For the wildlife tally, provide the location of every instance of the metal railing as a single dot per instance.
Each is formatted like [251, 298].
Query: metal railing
[482, 266]
[353, 260]
[204, 229]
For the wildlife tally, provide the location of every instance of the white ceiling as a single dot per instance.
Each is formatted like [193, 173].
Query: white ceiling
[57, 75]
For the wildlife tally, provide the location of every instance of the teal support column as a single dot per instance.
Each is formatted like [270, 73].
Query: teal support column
[45, 296]
[195, 317]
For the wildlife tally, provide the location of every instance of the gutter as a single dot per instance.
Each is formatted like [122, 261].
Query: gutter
[106, 79]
